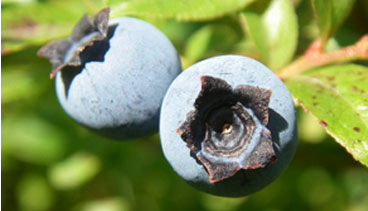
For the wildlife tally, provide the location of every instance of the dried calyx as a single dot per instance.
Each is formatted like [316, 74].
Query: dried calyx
[227, 130]
[66, 52]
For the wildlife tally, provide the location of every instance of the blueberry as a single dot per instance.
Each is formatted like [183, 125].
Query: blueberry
[111, 76]
[228, 126]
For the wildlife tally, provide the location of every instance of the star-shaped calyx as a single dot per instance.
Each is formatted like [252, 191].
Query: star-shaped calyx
[66, 52]
[227, 130]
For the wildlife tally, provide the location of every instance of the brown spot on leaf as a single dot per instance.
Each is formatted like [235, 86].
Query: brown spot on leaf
[356, 129]
[330, 78]
[314, 97]
[315, 104]
[356, 89]
[323, 124]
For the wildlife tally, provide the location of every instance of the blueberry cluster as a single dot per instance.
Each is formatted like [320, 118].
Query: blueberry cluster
[227, 124]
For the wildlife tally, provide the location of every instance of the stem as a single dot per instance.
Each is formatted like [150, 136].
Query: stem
[315, 57]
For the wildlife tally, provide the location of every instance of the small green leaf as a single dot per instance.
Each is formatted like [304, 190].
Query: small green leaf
[256, 31]
[338, 97]
[274, 32]
[210, 39]
[330, 14]
[197, 44]
[187, 10]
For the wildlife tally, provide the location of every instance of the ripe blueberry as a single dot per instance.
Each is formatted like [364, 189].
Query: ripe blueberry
[111, 76]
[228, 126]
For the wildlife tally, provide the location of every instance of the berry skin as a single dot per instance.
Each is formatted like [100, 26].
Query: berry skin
[117, 87]
[228, 126]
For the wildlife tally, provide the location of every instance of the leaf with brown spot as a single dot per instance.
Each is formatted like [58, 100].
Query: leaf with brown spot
[342, 103]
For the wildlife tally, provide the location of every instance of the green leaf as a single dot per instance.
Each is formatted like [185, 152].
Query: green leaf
[274, 32]
[256, 31]
[210, 39]
[330, 14]
[338, 97]
[197, 44]
[187, 10]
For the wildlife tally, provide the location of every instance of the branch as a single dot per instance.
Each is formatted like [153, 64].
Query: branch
[315, 56]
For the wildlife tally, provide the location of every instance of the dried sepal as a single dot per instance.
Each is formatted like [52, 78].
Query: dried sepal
[255, 98]
[263, 154]
[220, 129]
[219, 171]
[66, 52]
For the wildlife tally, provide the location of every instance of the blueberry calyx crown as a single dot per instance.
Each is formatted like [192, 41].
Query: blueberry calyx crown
[66, 52]
[227, 130]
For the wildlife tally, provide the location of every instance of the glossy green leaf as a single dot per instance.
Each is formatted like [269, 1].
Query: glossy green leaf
[330, 15]
[191, 10]
[338, 97]
[274, 32]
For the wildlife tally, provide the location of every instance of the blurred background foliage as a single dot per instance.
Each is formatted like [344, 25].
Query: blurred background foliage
[51, 163]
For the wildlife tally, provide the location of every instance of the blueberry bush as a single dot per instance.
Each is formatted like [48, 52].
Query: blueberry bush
[318, 48]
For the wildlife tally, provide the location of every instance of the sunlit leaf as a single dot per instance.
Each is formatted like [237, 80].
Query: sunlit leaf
[180, 9]
[330, 15]
[338, 97]
[274, 32]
